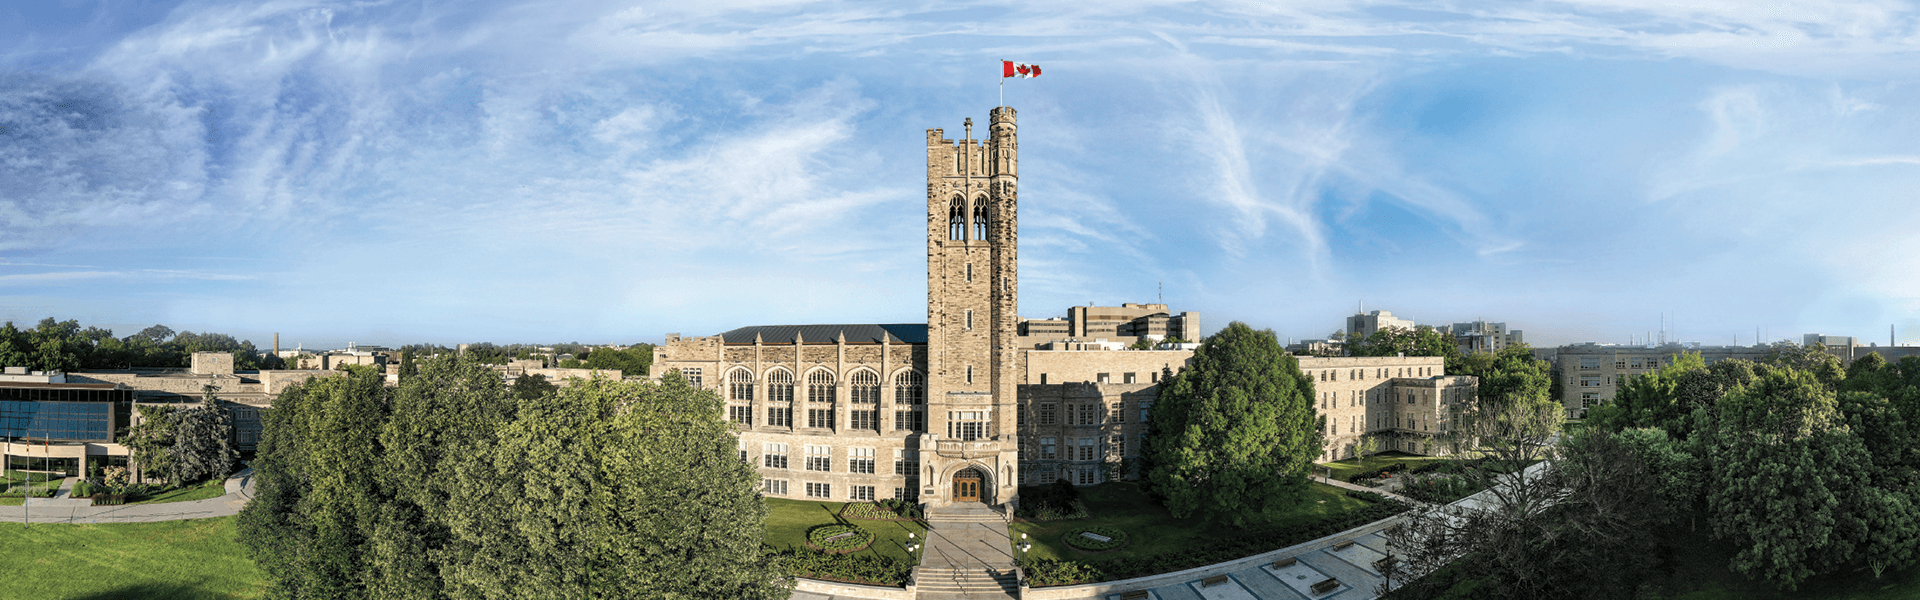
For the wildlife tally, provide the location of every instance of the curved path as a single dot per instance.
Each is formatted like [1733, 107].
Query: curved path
[57, 510]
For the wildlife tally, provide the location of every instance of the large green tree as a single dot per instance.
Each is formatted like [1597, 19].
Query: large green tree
[1419, 341]
[1234, 433]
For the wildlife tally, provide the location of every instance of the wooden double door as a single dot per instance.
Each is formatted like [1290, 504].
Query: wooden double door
[966, 485]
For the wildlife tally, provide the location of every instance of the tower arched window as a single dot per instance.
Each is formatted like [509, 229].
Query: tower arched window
[980, 220]
[820, 387]
[780, 386]
[740, 385]
[957, 220]
[865, 387]
[909, 388]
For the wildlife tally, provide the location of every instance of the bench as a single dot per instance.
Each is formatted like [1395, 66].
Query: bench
[1213, 581]
[1285, 562]
[1328, 585]
[1342, 545]
[1136, 595]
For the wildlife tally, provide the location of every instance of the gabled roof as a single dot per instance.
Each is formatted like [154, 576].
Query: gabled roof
[904, 333]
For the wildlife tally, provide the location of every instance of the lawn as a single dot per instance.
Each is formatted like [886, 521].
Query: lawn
[1342, 469]
[210, 489]
[196, 558]
[1152, 530]
[788, 521]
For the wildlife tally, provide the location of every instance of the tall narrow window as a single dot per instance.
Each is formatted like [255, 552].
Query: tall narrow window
[957, 221]
[969, 374]
[980, 220]
[780, 385]
[969, 272]
[969, 319]
[909, 388]
[820, 387]
[865, 387]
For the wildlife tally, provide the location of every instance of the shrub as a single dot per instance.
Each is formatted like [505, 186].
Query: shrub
[839, 537]
[109, 499]
[82, 489]
[865, 568]
[1047, 571]
[1115, 538]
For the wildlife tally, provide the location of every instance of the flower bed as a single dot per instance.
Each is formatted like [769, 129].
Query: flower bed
[838, 538]
[1115, 538]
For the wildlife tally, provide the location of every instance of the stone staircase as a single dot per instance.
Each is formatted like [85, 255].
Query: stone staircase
[977, 513]
[965, 582]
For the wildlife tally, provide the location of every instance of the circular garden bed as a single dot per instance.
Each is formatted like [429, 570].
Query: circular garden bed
[1095, 538]
[838, 538]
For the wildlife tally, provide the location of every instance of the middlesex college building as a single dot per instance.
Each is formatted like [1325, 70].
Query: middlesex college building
[975, 402]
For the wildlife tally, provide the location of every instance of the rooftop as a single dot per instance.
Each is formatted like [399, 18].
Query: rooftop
[904, 333]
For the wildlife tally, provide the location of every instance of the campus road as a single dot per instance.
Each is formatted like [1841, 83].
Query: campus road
[54, 510]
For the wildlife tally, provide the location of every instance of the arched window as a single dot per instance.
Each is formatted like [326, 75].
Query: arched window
[865, 387]
[957, 221]
[740, 385]
[820, 386]
[980, 220]
[779, 385]
[909, 388]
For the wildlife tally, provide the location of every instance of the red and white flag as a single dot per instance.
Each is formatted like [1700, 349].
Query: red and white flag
[1013, 69]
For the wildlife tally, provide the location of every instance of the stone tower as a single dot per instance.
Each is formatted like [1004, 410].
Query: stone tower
[970, 451]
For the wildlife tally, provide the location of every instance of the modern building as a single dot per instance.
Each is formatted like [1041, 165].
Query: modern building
[246, 394]
[50, 424]
[1481, 336]
[1363, 325]
[975, 401]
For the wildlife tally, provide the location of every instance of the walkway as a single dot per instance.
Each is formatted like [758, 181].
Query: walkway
[968, 555]
[61, 510]
[1361, 488]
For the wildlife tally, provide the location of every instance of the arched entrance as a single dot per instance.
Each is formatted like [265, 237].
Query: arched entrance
[966, 485]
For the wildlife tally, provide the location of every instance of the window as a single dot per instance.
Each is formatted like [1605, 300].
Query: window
[820, 387]
[1103, 378]
[740, 414]
[969, 272]
[692, 374]
[860, 460]
[1047, 449]
[1592, 381]
[773, 456]
[820, 418]
[980, 219]
[969, 319]
[967, 425]
[906, 462]
[819, 490]
[819, 458]
[957, 220]
[1087, 476]
[779, 385]
[864, 387]
[909, 388]
[1117, 445]
[1043, 379]
[862, 492]
[1129, 378]
[1089, 449]
[1118, 414]
[1090, 414]
[969, 374]
[910, 493]
[742, 447]
[780, 416]
[1144, 409]
[864, 419]
[1638, 364]
[740, 385]
[1046, 413]
[1620, 363]
[909, 420]
[1588, 399]
[1589, 364]
[776, 487]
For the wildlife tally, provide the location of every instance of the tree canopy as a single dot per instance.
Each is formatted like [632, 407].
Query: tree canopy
[1235, 432]
[65, 346]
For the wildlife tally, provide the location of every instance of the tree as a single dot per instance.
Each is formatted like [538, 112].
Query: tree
[1367, 444]
[631, 362]
[638, 493]
[203, 440]
[1234, 433]
[1419, 341]
[151, 442]
[531, 387]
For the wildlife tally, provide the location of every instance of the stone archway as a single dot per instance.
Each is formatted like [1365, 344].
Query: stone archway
[969, 485]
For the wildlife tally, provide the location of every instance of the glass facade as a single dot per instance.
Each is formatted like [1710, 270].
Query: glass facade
[62, 414]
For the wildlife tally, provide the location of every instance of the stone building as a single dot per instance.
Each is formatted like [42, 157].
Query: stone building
[972, 403]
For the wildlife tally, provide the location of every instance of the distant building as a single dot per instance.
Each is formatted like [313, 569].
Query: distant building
[1362, 326]
[1591, 374]
[50, 424]
[1481, 336]
[1127, 323]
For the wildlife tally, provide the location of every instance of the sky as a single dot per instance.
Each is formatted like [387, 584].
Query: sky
[610, 172]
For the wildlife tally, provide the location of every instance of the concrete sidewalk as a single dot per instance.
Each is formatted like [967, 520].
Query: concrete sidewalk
[239, 490]
[1361, 488]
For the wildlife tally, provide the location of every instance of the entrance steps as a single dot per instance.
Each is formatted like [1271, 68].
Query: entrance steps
[976, 513]
[965, 582]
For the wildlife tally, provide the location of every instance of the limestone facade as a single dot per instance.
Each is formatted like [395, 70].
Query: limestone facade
[1404, 401]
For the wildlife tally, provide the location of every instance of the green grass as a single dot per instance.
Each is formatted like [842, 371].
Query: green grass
[788, 520]
[1152, 530]
[210, 489]
[195, 558]
[1342, 469]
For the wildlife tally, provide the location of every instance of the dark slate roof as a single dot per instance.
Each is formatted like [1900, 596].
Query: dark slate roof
[904, 333]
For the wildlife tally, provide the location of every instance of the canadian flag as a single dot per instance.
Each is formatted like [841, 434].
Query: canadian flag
[1013, 69]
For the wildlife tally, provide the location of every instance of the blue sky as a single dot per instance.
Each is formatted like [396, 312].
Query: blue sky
[394, 172]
